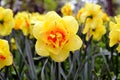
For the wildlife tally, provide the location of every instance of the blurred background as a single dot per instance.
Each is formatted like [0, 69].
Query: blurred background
[41, 6]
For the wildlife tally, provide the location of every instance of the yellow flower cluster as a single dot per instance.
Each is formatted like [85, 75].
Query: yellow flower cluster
[114, 34]
[5, 55]
[25, 22]
[92, 18]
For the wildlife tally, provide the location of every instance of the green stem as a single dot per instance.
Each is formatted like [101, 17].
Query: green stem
[16, 71]
[117, 69]
[57, 71]
[1, 77]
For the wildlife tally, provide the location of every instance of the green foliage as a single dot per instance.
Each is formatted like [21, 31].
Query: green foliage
[50, 5]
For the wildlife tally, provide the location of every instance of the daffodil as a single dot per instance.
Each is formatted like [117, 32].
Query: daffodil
[6, 21]
[35, 18]
[5, 55]
[56, 36]
[66, 10]
[92, 17]
[22, 22]
[114, 34]
[13, 44]
[96, 33]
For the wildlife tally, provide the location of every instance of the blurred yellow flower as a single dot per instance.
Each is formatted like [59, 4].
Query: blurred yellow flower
[114, 34]
[5, 55]
[105, 17]
[6, 21]
[35, 18]
[56, 36]
[66, 10]
[13, 44]
[22, 22]
[92, 18]
[96, 33]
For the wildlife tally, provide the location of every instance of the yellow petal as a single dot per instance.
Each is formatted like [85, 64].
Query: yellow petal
[41, 48]
[72, 24]
[37, 29]
[112, 25]
[9, 60]
[113, 38]
[93, 7]
[4, 45]
[99, 32]
[74, 43]
[61, 56]
[51, 16]
[117, 18]
[2, 65]
[5, 55]
[118, 48]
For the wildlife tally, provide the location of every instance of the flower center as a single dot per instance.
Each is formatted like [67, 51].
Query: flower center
[56, 37]
[2, 57]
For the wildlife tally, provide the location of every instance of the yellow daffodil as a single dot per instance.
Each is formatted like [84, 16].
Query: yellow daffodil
[89, 11]
[105, 17]
[66, 10]
[92, 17]
[6, 21]
[5, 55]
[13, 44]
[22, 22]
[114, 34]
[35, 19]
[96, 33]
[56, 36]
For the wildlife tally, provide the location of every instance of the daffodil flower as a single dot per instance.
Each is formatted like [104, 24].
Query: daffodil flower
[13, 44]
[92, 17]
[114, 34]
[6, 21]
[22, 22]
[56, 36]
[5, 55]
[66, 10]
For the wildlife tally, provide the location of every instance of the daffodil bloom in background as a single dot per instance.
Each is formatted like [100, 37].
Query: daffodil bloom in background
[92, 17]
[66, 10]
[35, 18]
[114, 34]
[105, 17]
[56, 36]
[6, 21]
[96, 33]
[22, 22]
[13, 44]
[116, 23]
[5, 55]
